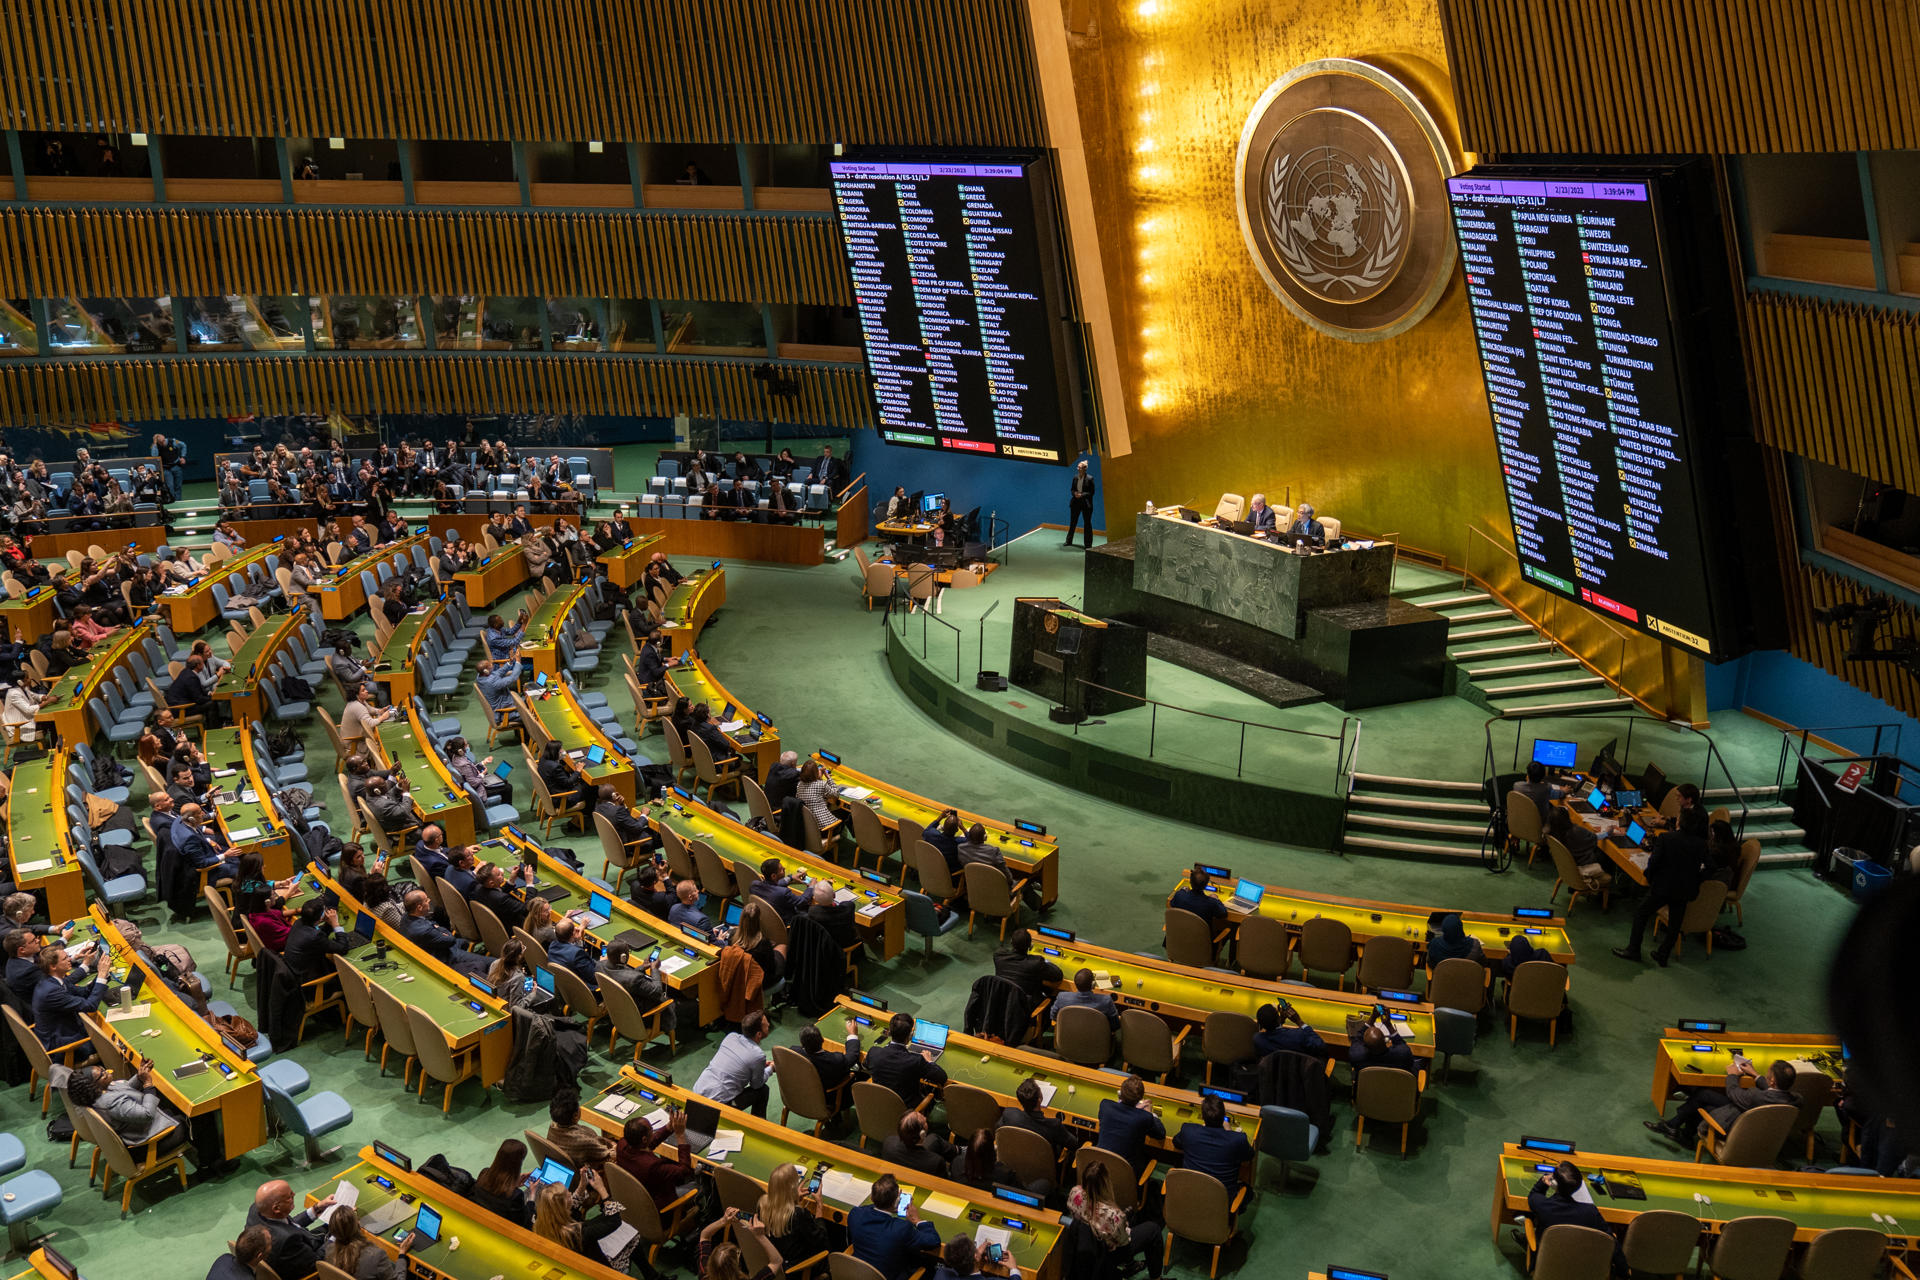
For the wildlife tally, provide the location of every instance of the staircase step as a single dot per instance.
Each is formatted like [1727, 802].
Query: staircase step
[1541, 686]
[1521, 668]
[1726, 793]
[1766, 834]
[1471, 829]
[1482, 615]
[1500, 650]
[1431, 784]
[1488, 633]
[1448, 602]
[1420, 803]
[1412, 848]
[1786, 858]
[1591, 704]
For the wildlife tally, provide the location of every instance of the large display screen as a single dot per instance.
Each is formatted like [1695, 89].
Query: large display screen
[953, 275]
[1568, 282]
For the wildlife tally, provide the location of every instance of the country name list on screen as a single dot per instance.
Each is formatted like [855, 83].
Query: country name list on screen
[1568, 291]
[947, 282]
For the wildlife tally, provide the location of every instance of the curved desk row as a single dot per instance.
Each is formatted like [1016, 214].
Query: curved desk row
[65, 706]
[693, 680]
[497, 573]
[37, 836]
[541, 642]
[688, 606]
[395, 657]
[193, 608]
[627, 563]
[253, 662]
[344, 595]
[1369, 919]
[1701, 1059]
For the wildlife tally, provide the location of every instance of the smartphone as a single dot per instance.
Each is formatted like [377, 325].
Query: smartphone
[995, 1252]
[400, 1234]
[654, 954]
[813, 1185]
[900, 1209]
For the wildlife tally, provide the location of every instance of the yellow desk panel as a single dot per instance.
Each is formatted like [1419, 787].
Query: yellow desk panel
[344, 595]
[495, 576]
[435, 798]
[194, 607]
[37, 834]
[541, 643]
[562, 718]
[688, 607]
[627, 563]
[693, 680]
[1677, 1061]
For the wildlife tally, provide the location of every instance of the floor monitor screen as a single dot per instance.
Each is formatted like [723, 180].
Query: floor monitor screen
[956, 282]
[1608, 478]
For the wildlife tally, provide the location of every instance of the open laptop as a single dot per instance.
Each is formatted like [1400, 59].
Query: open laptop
[1636, 834]
[703, 1118]
[543, 978]
[1626, 800]
[732, 916]
[929, 1036]
[554, 1171]
[596, 754]
[599, 911]
[1247, 894]
[363, 926]
[1242, 527]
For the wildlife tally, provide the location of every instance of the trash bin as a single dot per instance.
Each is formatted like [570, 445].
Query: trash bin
[1869, 878]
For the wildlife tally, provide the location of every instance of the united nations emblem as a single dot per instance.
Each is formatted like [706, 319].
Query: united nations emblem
[1341, 183]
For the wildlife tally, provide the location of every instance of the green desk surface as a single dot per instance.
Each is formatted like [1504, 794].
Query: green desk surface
[764, 1150]
[405, 752]
[398, 649]
[1377, 918]
[639, 546]
[625, 918]
[680, 601]
[1203, 989]
[485, 1250]
[492, 561]
[1822, 1053]
[226, 749]
[977, 1063]
[79, 682]
[249, 665]
[428, 987]
[735, 844]
[1841, 1201]
[896, 804]
[218, 574]
[33, 827]
[545, 621]
[563, 720]
[182, 1039]
[695, 683]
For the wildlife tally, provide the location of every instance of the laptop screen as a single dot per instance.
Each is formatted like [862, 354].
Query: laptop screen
[1627, 799]
[931, 1034]
[502, 769]
[428, 1223]
[726, 714]
[1249, 890]
[1636, 833]
[733, 913]
[702, 1117]
[1597, 798]
[544, 977]
[542, 679]
[600, 904]
[363, 925]
[557, 1171]
[1554, 754]
[596, 753]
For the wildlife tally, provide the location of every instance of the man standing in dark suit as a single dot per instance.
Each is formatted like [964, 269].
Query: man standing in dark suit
[1126, 1124]
[1676, 864]
[1034, 975]
[309, 947]
[1080, 504]
[1725, 1105]
[1211, 1148]
[908, 1071]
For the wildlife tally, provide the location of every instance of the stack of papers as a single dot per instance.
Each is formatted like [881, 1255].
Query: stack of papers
[733, 726]
[614, 1241]
[855, 793]
[674, 964]
[844, 895]
[871, 909]
[133, 1011]
[844, 1188]
[616, 1106]
[244, 833]
[346, 1195]
[725, 1142]
[986, 1235]
[40, 864]
[1638, 859]
[945, 1205]
[1046, 1092]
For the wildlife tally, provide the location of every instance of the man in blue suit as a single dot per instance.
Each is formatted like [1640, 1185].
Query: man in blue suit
[566, 950]
[200, 845]
[1285, 1031]
[1126, 1125]
[884, 1241]
[57, 1006]
[1211, 1148]
[1260, 515]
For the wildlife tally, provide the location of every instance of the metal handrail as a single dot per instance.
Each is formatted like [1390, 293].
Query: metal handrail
[1807, 731]
[1618, 679]
[1626, 751]
[1240, 766]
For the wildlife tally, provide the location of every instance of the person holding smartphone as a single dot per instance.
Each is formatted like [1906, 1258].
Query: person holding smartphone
[1381, 1045]
[963, 1260]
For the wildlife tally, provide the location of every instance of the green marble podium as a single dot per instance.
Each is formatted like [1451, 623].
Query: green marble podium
[1251, 580]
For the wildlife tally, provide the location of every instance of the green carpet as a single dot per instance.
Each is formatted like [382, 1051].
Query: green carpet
[797, 645]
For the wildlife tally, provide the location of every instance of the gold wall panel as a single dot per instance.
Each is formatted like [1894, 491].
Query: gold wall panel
[145, 253]
[720, 71]
[1226, 389]
[48, 392]
[1837, 383]
[1686, 76]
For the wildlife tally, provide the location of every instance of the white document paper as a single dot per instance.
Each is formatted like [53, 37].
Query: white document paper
[871, 909]
[855, 793]
[844, 1188]
[733, 726]
[244, 833]
[1046, 1092]
[1583, 1194]
[250, 796]
[614, 1241]
[674, 964]
[985, 1235]
[616, 1106]
[725, 1142]
[844, 895]
[224, 773]
[132, 1011]
[40, 864]
[346, 1194]
[1638, 859]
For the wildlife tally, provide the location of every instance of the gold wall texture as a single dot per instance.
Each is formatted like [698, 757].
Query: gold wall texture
[1227, 390]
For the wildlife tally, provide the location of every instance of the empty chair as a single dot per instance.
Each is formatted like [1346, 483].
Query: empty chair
[1226, 1038]
[1326, 946]
[970, 1110]
[1386, 963]
[438, 1058]
[1188, 939]
[1454, 1031]
[878, 1110]
[309, 1120]
[1538, 991]
[1660, 1241]
[989, 894]
[1568, 1252]
[1751, 1248]
[1263, 948]
[924, 919]
[1736, 896]
[1815, 1092]
[1287, 1135]
[396, 1033]
[1458, 983]
[1388, 1095]
[1031, 1157]
[1148, 1045]
[1195, 1207]
[1844, 1253]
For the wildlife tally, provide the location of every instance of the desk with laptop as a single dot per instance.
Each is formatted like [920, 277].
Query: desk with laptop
[1366, 918]
[552, 712]
[1070, 1093]
[840, 1177]
[751, 734]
